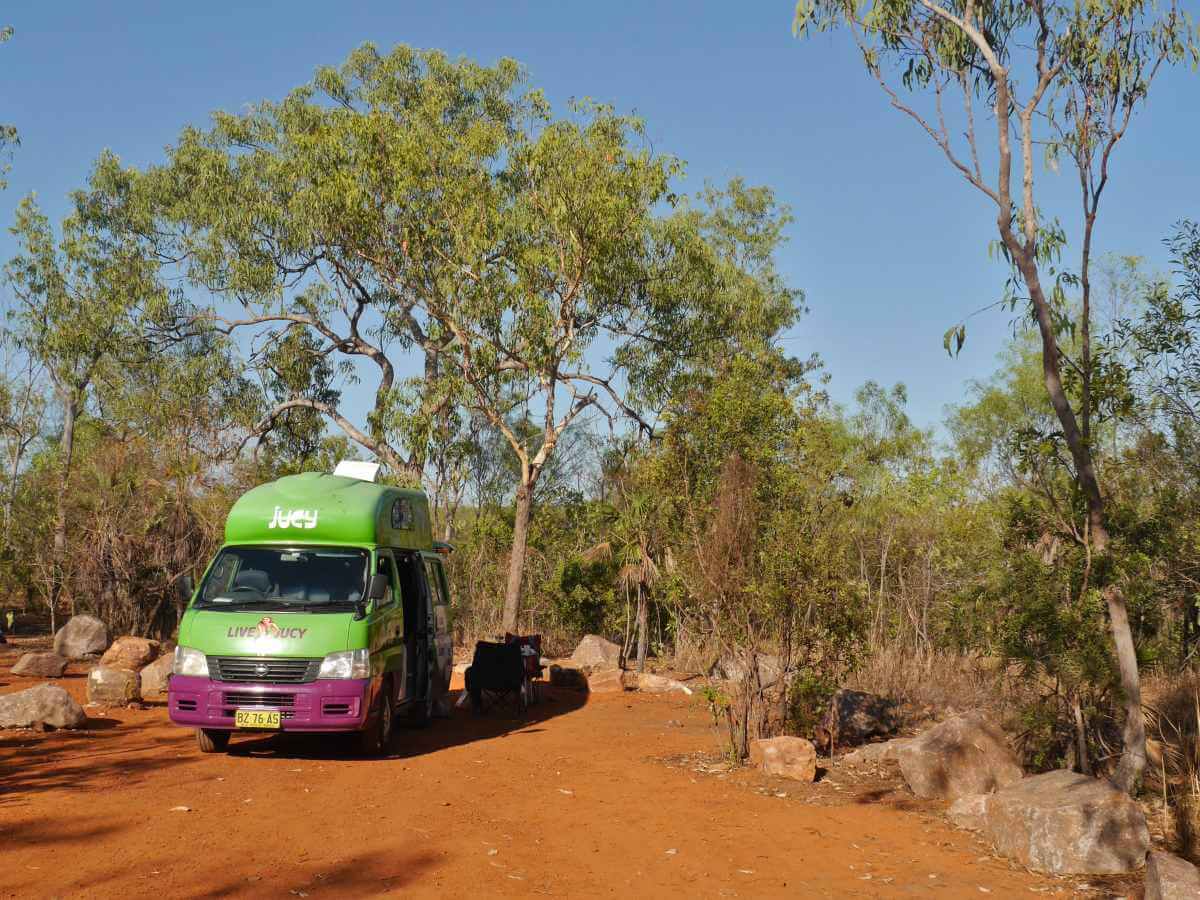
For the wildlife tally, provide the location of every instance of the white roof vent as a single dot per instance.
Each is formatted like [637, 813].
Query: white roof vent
[354, 468]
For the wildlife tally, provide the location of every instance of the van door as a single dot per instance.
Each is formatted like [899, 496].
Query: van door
[414, 602]
[442, 637]
[385, 625]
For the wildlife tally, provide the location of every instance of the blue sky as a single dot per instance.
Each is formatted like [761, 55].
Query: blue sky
[889, 245]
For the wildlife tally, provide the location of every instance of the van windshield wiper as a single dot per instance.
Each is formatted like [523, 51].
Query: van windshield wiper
[264, 603]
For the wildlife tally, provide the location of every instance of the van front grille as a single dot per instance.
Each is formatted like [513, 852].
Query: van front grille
[263, 671]
[267, 701]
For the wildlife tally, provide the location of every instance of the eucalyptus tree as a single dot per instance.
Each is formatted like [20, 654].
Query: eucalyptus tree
[8, 133]
[79, 296]
[538, 268]
[1055, 78]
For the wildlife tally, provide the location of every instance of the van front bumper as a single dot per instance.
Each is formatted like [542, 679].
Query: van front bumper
[322, 705]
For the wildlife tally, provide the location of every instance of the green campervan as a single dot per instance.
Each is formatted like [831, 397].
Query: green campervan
[326, 610]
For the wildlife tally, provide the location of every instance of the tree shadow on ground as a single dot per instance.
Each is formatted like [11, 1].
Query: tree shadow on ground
[82, 760]
[367, 874]
[463, 727]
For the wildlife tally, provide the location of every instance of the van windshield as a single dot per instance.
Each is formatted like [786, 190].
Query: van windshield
[304, 579]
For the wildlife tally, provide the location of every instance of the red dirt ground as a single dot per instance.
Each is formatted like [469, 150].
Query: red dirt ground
[587, 797]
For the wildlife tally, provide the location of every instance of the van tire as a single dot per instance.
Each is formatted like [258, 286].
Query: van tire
[212, 741]
[374, 738]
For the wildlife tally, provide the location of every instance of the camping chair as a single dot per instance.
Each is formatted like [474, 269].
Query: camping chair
[497, 674]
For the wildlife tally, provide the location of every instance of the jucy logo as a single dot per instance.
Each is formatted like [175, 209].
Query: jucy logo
[266, 627]
[294, 518]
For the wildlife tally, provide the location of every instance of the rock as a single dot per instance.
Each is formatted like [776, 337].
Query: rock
[789, 757]
[81, 637]
[130, 653]
[964, 755]
[41, 665]
[607, 681]
[659, 684]
[568, 677]
[969, 812]
[1062, 823]
[1171, 878]
[112, 687]
[153, 678]
[594, 652]
[874, 754]
[855, 717]
[770, 669]
[41, 706]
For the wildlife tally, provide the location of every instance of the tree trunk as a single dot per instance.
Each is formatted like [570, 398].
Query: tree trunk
[516, 559]
[642, 617]
[1133, 753]
[66, 452]
[1082, 761]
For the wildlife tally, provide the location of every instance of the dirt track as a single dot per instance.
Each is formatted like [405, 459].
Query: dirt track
[575, 801]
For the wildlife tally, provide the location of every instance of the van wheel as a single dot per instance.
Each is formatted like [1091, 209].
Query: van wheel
[374, 738]
[212, 741]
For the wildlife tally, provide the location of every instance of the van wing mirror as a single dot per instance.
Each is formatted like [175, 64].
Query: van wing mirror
[378, 587]
[186, 586]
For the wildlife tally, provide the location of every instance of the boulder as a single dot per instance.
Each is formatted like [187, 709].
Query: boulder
[788, 757]
[1171, 878]
[112, 687]
[607, 681]
[41, 665]
[770, 669]
[44, 705]
[874, 754]
[1061, 822]
[568, 677]
[81, 637]
[594, 652]
[130, 653]
[964, 755]
[855, 717]
[659, 684]
[153, 678]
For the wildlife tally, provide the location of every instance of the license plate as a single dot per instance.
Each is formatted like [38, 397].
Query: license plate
[256, 718]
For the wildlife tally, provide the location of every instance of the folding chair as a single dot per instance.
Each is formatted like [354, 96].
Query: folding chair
[497, 675]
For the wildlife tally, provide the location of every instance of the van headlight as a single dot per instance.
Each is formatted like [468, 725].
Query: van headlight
[190, 662]
[346, 664]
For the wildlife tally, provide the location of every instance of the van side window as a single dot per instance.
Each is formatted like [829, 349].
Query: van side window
[437, 594]
[384, 565]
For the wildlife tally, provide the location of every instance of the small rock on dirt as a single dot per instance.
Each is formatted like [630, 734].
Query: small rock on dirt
[607, 681]
[44, 705]
[964, 755]
[41, 665]
[650, 683]
[81, 637]
[595, 652]
[130, 653]
[1060, 822]
[568, 677]
[113, 687]
[153, 678]
[855, 717]
[1171, 878]
[789, 757]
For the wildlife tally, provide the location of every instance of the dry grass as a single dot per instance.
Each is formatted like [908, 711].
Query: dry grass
[936, 685]
[1172, 709]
